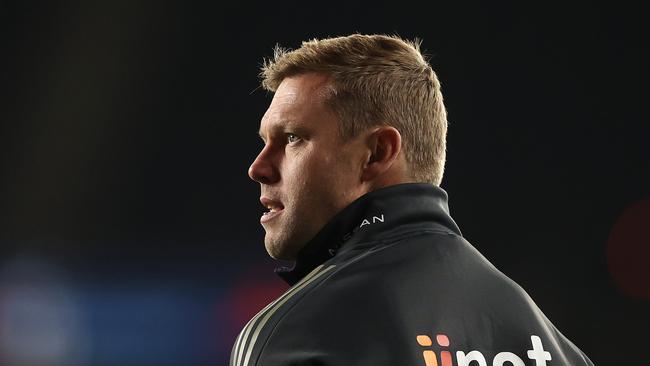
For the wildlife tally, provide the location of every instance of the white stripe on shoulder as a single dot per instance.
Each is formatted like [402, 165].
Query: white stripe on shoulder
[243, 337]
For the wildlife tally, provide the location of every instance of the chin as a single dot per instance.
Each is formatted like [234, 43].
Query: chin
[280, 255]
[280, 250]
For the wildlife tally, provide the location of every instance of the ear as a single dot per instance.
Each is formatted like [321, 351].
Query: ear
[384, 144]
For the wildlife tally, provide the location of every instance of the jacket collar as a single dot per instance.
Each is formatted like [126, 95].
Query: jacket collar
[371, 217]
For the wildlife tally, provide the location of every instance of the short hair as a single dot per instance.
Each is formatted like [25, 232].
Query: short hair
[375, 80]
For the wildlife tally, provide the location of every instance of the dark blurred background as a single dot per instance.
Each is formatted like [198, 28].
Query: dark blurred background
[129, 229]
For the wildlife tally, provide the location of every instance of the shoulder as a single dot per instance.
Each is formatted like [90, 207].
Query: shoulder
[423, 281]
[436, 273]
[374, 305]
[431, 260]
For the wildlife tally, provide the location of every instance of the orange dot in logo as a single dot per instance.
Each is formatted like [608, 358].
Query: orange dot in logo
[424, 340]
[442, 340]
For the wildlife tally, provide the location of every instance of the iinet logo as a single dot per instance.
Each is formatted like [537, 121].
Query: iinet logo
[465, 359]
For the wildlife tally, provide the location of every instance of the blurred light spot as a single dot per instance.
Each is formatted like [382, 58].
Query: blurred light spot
[628, 251]
[250, 293]
[40, 321]
[146, 324]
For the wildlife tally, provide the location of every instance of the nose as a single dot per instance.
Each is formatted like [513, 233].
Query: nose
[263, 169]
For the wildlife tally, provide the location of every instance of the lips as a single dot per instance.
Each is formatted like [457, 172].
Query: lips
[274, 208]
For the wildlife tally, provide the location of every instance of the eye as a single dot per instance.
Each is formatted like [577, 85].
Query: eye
[291, 138]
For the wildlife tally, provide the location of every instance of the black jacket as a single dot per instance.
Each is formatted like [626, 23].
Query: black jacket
[391, 281]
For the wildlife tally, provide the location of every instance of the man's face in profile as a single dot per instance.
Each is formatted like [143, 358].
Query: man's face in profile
[306, 172]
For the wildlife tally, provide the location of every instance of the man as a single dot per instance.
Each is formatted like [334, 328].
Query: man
[354, 151]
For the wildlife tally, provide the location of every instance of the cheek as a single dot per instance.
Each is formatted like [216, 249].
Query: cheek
[301, 177]
[310, 164]
[314, 177]
[322, 171]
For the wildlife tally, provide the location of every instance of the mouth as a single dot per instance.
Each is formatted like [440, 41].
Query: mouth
[274, 208]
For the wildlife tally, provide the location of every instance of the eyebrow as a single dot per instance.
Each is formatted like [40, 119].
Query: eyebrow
[283, 125]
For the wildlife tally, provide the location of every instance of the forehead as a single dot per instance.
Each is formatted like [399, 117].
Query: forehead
[298, 99]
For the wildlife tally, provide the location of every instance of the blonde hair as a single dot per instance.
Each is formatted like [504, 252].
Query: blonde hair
[376, 80]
